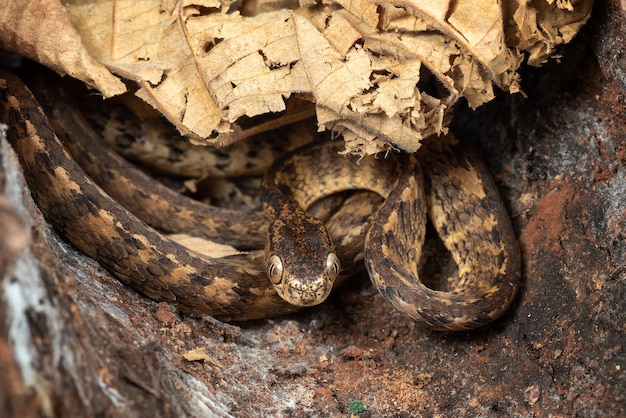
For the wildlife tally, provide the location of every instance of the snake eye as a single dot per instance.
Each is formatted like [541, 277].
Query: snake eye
[332, 265]
[274, 269]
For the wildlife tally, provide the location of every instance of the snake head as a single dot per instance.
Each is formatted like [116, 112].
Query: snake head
[303, 290]
[300, 261]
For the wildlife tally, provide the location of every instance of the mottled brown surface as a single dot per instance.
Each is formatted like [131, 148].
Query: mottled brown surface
[559, 160]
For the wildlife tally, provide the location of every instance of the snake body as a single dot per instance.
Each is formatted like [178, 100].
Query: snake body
[230, 289]
[455, 191]
[460, 199]
[139, 133]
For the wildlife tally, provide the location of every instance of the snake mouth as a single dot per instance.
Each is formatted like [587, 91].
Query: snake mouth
[301, 294]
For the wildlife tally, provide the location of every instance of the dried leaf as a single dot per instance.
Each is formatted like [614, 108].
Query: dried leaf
[541, 25]
[198, 354]
[204, 246]
[383, 74]
[40, 30]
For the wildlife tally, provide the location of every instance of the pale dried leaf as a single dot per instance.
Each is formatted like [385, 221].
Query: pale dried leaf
[139, 40]
[204, 246]
[542, 25]
[200, 354]
[477, 27]
[40, 30]
[225, 66]
[367, 65]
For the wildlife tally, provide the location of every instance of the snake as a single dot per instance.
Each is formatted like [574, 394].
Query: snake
[139, 133]
[454, 190]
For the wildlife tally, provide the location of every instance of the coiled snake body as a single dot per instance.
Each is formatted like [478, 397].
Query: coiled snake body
[455, 191]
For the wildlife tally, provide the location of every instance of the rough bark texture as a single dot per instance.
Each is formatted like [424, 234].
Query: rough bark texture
[75, 342]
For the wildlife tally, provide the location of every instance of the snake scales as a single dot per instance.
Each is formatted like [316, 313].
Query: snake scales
[455, 190]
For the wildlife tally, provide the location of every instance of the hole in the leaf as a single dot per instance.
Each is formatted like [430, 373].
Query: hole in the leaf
[327, 21]
[430, 84]
[272, 65]
[208, 46]
[382, 18]
[164, 76]
[375, 54]
[377, 74]
[452, 59]
[205, 11]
